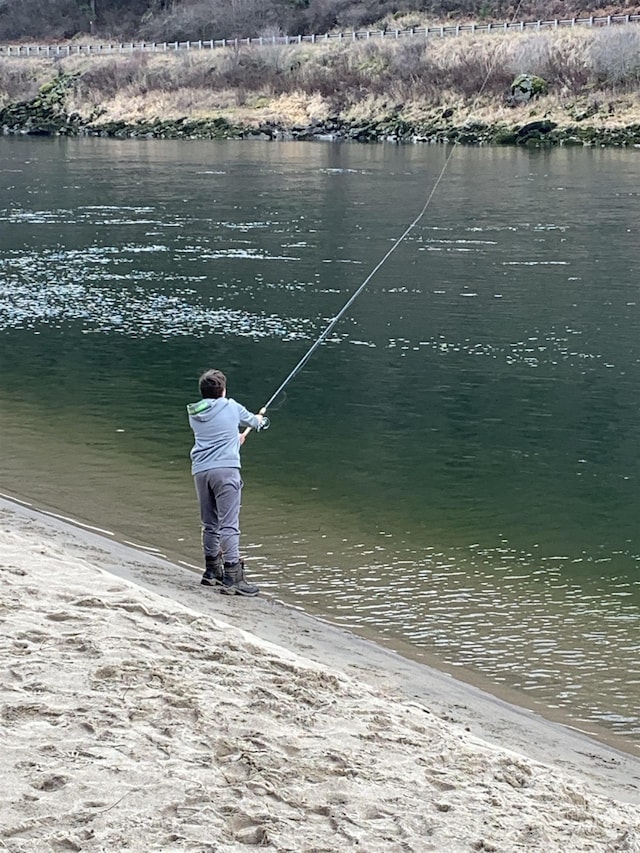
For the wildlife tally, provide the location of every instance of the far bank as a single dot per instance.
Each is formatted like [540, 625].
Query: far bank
[459, 90]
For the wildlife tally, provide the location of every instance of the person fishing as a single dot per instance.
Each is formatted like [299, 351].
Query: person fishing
[215, 456]
[215, 465]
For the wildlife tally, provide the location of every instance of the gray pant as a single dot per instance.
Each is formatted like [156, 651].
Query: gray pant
[219, 491]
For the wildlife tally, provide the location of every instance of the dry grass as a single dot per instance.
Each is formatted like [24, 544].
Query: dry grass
[295, 108]
[21, 81]
[597, 71]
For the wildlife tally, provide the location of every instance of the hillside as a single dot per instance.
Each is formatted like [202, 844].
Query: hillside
[190, 20]
[585, 89]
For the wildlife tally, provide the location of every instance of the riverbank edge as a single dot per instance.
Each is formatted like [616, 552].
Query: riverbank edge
[610, 768]
[47, 116]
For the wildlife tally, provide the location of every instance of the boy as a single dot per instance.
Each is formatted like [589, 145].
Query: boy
[215, 465]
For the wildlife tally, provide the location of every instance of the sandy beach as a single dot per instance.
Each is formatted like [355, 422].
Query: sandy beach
[143, 712]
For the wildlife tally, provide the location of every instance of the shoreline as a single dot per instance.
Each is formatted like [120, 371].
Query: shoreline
[24, 119]
[606, 767]
[259, 96]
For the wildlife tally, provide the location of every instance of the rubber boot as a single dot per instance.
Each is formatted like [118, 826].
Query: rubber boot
[234, 582]
[214, 568]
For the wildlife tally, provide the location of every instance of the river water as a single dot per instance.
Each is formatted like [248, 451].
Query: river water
[455, 471]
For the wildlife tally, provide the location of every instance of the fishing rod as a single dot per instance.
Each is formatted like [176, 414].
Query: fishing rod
[332, 323]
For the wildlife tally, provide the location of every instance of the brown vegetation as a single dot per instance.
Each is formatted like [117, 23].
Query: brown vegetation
[572, 61]
[170, 20]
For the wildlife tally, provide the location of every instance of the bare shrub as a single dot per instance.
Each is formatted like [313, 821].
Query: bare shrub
[189, 22]
[213, 19]
[363, 14]
[534, 10]
[319, 16]
[19, 81]
[111, 18]
[191, 71]
[614, 57]
[409, 62]
[467, 66]
[281, 60]
[247, 70]
[410, 68]
[53, 19]
[402, 21]
[567, 65]
[530, 54]
[559, 58]
[109, 76]
[332, 72]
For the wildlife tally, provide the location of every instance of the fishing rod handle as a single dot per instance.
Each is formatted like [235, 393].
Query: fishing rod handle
[263, 412]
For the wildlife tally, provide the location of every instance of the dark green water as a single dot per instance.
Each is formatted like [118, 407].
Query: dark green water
[456, 469]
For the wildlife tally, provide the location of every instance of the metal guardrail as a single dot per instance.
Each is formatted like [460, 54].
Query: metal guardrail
[60, 50]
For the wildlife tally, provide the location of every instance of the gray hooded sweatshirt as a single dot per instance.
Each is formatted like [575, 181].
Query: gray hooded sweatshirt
[215, 425]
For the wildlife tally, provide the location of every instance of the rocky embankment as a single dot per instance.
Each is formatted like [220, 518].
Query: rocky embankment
[47, 115]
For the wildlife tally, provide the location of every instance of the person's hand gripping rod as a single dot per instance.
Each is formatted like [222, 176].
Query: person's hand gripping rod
[264, 424]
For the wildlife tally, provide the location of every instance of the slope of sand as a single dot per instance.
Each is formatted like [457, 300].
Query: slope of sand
[131, 721]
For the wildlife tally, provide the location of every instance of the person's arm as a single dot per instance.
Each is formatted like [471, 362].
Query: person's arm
[260, 417]
[248, 419]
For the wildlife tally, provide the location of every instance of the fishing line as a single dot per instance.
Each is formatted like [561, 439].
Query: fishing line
[327, 331]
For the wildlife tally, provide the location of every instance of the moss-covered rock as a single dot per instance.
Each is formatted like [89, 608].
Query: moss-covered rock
[44, 115]
[505, 136]
[535, 132]
[526, 87]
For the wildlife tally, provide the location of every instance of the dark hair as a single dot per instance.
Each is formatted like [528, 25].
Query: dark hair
[212, 384]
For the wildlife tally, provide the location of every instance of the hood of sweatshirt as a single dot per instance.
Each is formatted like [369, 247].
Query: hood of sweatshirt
[205, 410]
